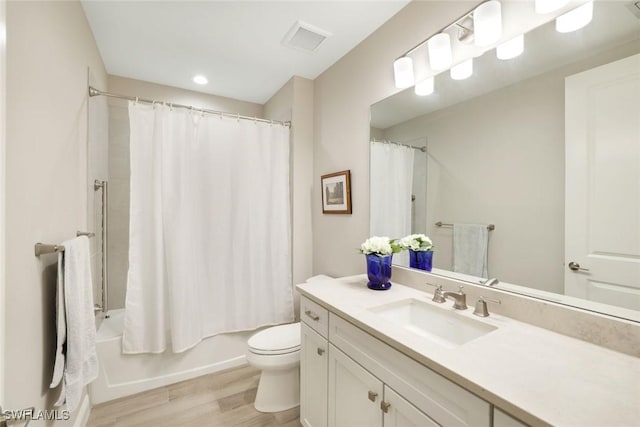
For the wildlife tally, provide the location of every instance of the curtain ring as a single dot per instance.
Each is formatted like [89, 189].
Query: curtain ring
[238, 117]
[255, 120]
[136, 99]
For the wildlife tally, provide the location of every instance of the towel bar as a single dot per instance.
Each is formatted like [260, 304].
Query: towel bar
[43, 248]
[490, 227]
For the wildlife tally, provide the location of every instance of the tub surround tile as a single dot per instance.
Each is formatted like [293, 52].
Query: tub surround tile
[537, 375]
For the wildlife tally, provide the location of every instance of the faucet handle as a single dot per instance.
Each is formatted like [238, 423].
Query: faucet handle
[438, 294]
[481, 306]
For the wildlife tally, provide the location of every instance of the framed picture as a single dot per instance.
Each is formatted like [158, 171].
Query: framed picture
[336, 193]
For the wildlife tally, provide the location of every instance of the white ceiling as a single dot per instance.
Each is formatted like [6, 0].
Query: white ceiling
[236, 44]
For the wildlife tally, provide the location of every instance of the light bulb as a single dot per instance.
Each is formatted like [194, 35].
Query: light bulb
[425, 87]
[511, 48]
[440, 57]
[575, 19]
[463, 70]
[403, 72]
[200, 79]
[487, 23]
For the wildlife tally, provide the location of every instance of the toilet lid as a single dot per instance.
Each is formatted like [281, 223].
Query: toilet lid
[276, 339]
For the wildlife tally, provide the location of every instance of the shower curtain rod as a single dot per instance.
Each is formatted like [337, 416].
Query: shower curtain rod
[386, 141]
[96, 92]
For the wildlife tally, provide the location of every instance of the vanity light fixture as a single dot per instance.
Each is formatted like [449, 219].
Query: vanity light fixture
[548, 6]
[200, 79]
[463, 70]
[440, 56]
[403, 72]
[511, 49]
[487, 23]
[425, 87]
[575, 19]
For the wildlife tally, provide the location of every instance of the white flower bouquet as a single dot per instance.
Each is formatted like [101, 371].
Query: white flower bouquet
[380, 246]
[416, 242]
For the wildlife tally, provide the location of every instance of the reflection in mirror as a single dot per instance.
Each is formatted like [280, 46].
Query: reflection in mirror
[398, 190]
[545, 146]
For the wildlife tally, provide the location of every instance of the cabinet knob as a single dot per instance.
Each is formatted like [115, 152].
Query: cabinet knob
[385, 406]
[312, 315]
[372, 396]
[320, 351]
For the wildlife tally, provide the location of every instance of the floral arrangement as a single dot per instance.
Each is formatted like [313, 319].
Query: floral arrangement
[380, 246]
[416, 242]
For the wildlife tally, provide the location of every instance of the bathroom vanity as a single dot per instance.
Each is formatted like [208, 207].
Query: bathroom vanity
[396, 358]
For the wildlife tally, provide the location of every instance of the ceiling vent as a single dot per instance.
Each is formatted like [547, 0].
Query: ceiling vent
[303, 36]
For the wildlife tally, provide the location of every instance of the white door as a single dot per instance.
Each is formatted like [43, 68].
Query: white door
[602, 211]
[398, 412]
[354, 394]
[313, 378]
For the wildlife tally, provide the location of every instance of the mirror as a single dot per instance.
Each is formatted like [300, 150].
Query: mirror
[501, 149]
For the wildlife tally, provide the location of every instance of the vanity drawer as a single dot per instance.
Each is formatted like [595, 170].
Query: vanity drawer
[444, 401]
[315, 316]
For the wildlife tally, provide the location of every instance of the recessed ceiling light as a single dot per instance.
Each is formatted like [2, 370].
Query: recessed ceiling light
[200, 79]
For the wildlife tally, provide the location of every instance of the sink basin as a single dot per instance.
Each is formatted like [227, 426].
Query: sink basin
[441, 325]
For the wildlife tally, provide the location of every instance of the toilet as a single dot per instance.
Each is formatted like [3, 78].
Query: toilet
[276, 351]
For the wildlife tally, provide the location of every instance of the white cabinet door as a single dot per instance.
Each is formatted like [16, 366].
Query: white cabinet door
[354, 394]
[313, 378]
[401, 413]
[500, 419]
[602, 208]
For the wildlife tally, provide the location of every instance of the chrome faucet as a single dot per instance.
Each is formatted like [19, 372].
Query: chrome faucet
[438, 294]
[491, 282]
[460, 299]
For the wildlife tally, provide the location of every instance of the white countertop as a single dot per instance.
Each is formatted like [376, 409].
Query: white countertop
[537, 375]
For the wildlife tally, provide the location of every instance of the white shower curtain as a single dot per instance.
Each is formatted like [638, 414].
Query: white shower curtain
[209, 247]
[391, 185]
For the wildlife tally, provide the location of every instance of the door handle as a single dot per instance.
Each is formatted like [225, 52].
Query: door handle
[372, 396]
[385, 406]
[320, 351]
[574, 266]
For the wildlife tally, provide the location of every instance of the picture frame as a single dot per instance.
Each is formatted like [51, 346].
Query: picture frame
[336, 192]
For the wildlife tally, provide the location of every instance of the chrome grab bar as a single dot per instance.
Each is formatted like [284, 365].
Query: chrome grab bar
[104, 186]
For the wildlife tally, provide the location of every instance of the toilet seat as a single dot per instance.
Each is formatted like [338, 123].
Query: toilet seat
[281, 339]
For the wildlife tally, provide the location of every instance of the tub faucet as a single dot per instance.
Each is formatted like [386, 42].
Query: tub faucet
[460, 299]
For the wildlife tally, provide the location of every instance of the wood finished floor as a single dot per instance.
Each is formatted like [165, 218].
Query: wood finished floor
[222, 399]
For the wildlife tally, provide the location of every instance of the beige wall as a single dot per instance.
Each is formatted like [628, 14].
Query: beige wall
[3, 96]
[294, 101]
[342, 96]
[119, 165]
[50, 48]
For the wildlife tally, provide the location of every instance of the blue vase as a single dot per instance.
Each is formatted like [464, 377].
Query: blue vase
[379, 272]
[422, 260]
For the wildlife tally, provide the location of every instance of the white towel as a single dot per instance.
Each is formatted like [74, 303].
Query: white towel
[81, 365]
[470, 249]
[61, 326]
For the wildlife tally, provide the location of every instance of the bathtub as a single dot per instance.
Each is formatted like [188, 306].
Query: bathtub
[125, 374]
